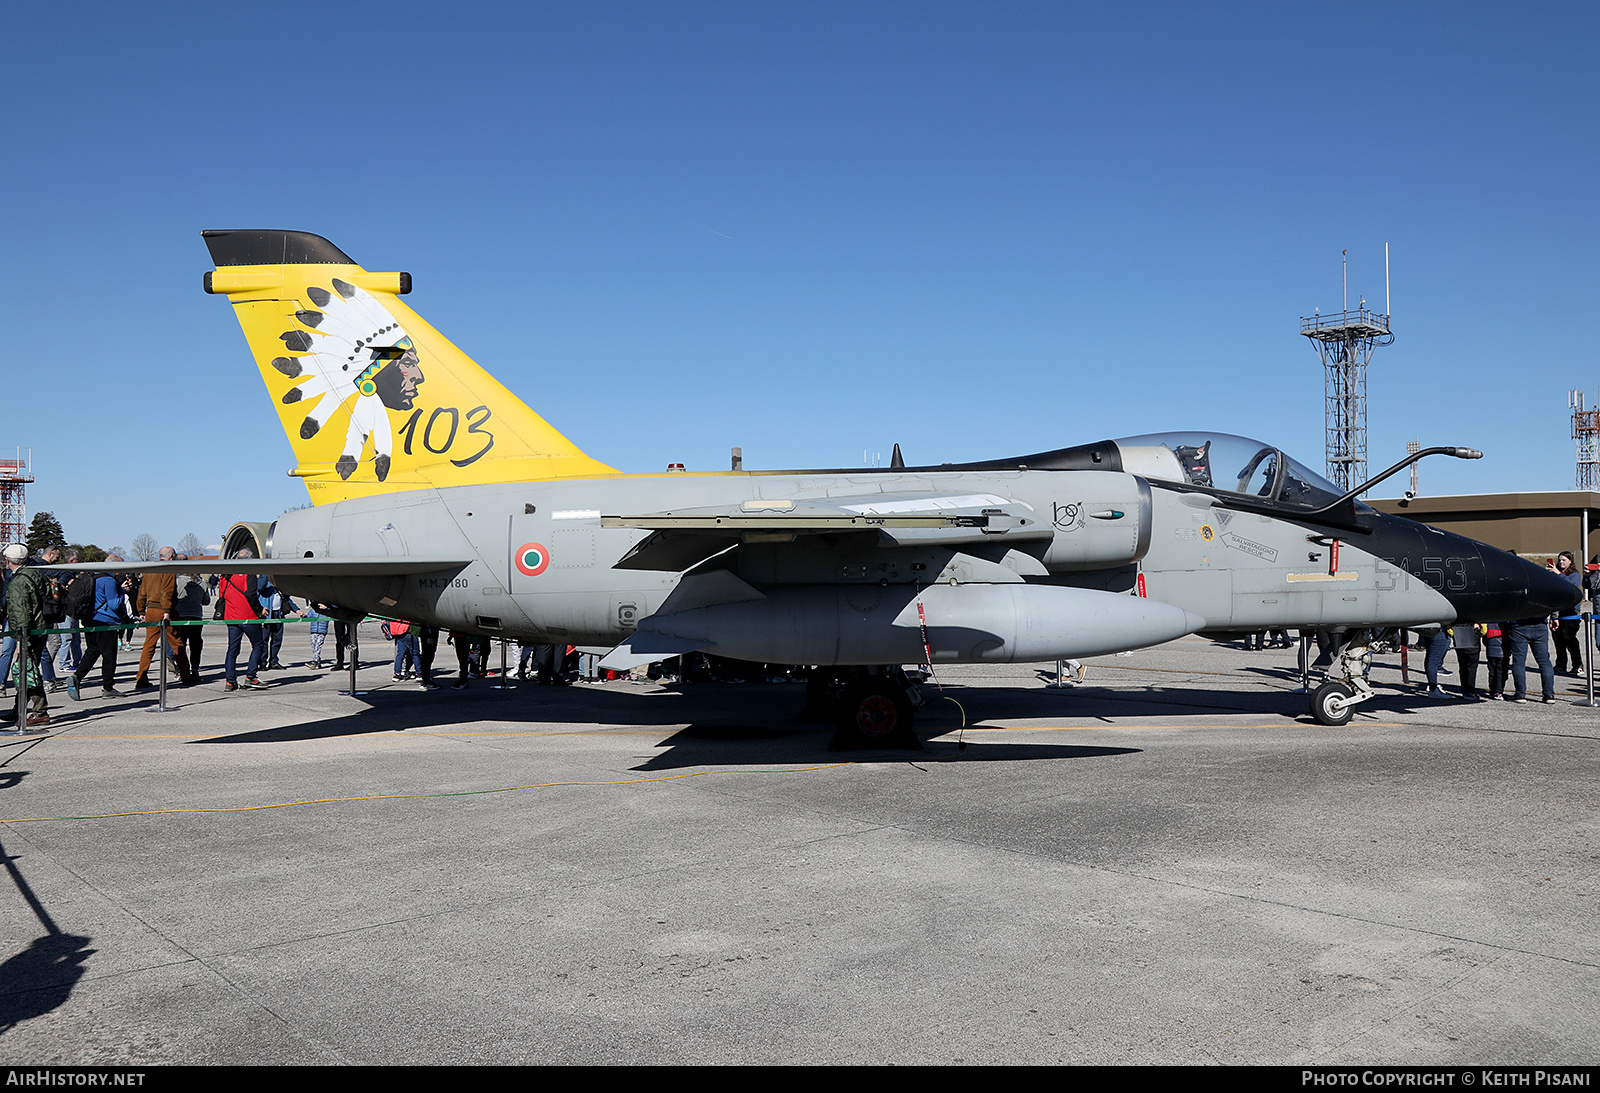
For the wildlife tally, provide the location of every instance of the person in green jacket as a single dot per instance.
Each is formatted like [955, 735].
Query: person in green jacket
[26, 597]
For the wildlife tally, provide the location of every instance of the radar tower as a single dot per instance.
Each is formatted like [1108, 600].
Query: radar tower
[1345, 343]
[14, 479]
[1586, 431]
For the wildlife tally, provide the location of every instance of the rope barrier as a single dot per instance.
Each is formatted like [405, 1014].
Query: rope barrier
[137, 623]
[24, 659]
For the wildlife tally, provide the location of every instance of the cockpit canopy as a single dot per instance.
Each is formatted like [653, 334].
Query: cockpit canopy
[1216, 462]
[1231, 464]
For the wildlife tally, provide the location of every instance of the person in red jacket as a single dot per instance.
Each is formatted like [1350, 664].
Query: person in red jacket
[240, 601]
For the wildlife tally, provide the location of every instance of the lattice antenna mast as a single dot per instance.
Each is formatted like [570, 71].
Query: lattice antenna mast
[14, 479]
[1345, 343]
[1586, 431]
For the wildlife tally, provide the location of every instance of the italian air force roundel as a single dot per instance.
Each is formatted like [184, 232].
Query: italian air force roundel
[532, 559]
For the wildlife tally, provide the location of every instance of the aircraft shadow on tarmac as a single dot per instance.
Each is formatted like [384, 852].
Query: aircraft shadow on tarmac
[743, 745]
[713, 723]
[41, 977]
[710, 709]
[398, 708]
[1272, 672]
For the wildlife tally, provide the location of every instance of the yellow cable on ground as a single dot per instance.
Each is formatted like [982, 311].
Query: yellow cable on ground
[408, 796]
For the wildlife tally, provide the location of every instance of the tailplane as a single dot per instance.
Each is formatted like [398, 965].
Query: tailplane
[371, 397]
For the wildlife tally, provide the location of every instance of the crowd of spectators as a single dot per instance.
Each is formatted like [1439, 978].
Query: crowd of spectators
[90, 619]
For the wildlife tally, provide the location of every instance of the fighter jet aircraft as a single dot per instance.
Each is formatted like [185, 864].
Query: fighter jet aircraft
[441, 498]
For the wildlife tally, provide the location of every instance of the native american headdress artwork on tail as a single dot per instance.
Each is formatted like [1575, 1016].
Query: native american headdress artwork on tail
[352, 347]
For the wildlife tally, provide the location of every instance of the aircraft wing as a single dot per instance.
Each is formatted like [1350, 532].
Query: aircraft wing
[382, 566]
[683, 538]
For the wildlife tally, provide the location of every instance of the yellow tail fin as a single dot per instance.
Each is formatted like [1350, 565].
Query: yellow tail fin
[372, 398]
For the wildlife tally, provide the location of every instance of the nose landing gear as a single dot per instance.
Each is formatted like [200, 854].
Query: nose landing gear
[1335, 701]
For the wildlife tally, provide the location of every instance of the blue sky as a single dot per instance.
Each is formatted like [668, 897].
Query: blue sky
[806, 229]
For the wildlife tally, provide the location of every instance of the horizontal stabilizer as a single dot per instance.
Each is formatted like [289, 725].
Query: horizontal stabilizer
[382, 566]
[647, 647]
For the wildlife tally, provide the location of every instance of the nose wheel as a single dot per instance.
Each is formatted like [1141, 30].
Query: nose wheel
[1333, 704]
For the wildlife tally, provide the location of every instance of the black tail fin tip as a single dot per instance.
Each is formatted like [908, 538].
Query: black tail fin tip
[272, 247]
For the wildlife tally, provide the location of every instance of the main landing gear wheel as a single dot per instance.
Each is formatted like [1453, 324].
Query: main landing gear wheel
[820, 686]
[1331, 704]
[875, 715]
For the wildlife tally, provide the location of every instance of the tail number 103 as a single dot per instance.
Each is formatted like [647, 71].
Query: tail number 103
[443, 426]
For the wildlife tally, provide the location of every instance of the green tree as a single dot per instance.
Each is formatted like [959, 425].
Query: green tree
[88, 552]
[44, 531]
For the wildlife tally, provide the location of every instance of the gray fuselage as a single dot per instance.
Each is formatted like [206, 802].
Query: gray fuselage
[1095, 529]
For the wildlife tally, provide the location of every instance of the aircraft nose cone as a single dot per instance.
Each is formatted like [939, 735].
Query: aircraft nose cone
[1522, 590]
[1550, 593]
[1482, 583]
